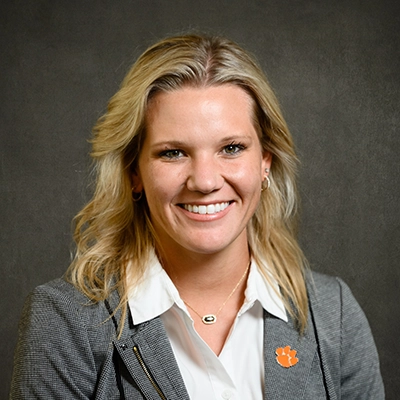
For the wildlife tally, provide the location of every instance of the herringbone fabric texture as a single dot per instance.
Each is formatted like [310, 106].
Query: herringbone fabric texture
[68, 349]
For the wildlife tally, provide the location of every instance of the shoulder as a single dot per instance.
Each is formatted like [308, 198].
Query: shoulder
[324, 283]
[64, 341]
[344, 337]
[59, 317]
[59, 289]
[60, 298]
[57, 312]
[325, 290]
[333, 306]
[332, 302]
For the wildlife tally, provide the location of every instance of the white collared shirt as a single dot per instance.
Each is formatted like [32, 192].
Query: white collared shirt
[238, 372]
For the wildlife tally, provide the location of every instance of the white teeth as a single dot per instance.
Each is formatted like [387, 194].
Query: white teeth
[209, 209]
[202, 209]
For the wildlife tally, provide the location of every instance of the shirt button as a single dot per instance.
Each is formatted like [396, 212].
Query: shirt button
[227, 394]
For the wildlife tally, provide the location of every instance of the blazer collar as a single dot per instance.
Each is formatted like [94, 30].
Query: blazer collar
[280, 382]
[151, 341]
[148, 352]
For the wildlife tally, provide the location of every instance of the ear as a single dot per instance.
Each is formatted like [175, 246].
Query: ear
[137, 185]
[266, 161]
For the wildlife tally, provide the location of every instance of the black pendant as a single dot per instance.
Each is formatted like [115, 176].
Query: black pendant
[209, 319]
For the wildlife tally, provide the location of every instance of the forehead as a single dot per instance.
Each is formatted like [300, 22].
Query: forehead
[216, 102]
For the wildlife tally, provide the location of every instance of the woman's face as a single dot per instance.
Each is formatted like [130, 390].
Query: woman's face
[201, 168]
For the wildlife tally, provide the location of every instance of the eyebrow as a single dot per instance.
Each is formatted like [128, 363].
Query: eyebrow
[173, 143]
[179, 143]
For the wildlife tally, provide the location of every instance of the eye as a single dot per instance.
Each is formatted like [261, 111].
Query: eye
[233, 148]
[171, 154]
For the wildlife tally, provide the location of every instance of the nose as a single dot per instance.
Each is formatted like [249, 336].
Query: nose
[205, 175]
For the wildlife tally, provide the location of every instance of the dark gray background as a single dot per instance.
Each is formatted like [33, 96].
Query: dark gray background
[335, 68]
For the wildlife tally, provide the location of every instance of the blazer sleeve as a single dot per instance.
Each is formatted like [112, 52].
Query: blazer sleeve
[53, 358]
[359, 363]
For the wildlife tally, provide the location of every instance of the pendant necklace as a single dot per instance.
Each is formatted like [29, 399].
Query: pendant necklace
[210, 319]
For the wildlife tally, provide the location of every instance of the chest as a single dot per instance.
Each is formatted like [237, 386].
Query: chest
[145, 366]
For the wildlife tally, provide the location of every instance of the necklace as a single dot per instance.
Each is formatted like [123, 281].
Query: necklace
[210, 319]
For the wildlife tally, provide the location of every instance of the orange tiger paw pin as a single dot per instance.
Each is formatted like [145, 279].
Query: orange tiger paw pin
[286, 357]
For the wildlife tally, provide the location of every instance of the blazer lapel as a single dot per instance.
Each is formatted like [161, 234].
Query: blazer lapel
[148, 357]
[281, 382]
[154, 349]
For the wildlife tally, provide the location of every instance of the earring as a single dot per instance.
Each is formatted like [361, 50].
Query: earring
[136, 198]
[266, 178]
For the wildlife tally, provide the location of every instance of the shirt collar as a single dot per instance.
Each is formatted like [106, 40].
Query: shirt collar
[259, 288]
[156, 294]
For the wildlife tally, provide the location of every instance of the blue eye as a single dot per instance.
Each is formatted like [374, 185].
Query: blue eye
[233, 148]
[171, 154]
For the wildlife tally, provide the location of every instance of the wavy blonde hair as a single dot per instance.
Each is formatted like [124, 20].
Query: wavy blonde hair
[113, 231]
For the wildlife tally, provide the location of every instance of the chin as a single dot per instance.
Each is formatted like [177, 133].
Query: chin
[207, 247]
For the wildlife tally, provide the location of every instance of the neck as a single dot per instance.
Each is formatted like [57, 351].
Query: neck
[205, 272]
[212, 286]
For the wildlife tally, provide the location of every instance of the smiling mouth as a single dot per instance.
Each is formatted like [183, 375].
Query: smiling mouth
[206, 209]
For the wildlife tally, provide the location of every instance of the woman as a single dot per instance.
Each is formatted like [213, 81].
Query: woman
[188, 281]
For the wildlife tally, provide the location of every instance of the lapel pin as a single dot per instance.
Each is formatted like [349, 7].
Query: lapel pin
[286, 357]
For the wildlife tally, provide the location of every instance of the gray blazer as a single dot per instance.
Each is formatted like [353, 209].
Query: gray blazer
[68, 349]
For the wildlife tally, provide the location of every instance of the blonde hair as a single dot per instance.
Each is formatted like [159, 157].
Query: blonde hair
[113, 231]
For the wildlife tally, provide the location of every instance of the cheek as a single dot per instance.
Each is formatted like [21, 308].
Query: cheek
[160, 184]
[249, 178]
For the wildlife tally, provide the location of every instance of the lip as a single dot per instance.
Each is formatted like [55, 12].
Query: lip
[209, 209]
[205, 216]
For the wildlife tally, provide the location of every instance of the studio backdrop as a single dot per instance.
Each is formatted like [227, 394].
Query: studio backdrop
[335, 68]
